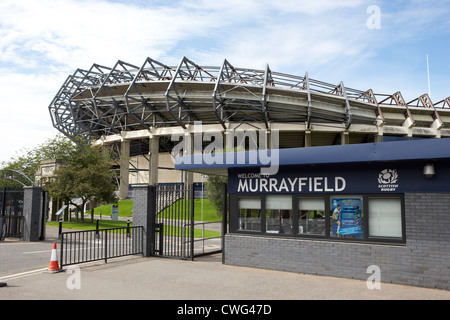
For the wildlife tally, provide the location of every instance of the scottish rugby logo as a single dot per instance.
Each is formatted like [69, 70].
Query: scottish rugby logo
[388, 179]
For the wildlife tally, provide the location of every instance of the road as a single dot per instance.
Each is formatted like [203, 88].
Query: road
[18, 256]
[22, 266]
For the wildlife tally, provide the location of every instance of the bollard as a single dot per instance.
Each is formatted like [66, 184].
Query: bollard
[128, 228]
[96, 230]
[60, 229]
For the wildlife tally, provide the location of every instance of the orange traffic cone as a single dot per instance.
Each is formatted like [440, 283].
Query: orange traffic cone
[54, 265]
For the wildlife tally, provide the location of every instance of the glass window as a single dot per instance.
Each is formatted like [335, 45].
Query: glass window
[279, 214]
[249, 214]
[311, 216]
[346, 217]
[385, 217]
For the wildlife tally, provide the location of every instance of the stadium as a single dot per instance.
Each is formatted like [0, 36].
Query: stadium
[387, 156]
[131, 104]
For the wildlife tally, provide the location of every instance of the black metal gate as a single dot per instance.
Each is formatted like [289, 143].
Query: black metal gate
[173, 223]
[11, 204]
[100, 244]
[175, 227]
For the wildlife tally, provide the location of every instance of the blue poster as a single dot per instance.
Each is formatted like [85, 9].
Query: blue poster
[346, 217]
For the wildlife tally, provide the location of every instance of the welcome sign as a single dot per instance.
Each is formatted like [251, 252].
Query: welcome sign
[355, 178]
[266, 184]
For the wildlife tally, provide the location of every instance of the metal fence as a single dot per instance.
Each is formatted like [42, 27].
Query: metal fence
[102, 244]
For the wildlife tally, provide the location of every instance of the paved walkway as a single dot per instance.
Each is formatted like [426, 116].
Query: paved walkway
[206, 278]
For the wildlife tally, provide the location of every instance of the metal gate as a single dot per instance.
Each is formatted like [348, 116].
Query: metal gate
[175, 225]
[11, 204]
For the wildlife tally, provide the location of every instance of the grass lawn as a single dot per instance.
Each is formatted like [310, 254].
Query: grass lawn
[87, 225]
[126, 209]
[209, 212]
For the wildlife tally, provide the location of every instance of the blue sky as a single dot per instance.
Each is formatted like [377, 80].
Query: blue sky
[42, 42]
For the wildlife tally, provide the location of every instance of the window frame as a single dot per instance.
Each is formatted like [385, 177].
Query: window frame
[234, 217]
[402, 215]
[292, 214]
[237, 216]
[324, 197]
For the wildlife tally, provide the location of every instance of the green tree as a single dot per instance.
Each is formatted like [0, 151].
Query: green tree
[213, 188]
[87, 175]
[59, 147]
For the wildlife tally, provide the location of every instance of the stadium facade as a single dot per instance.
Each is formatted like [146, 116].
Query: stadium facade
[361, 179]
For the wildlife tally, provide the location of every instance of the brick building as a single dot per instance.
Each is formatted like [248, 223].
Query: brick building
[338, 210]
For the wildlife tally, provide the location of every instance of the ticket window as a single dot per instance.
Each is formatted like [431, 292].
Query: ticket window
[279, 214]
[311, 216]
[249, 214]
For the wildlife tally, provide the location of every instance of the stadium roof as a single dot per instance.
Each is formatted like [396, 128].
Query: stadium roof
[103, 101]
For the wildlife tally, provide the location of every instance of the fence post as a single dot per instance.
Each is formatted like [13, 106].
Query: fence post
[192, 222]
[106, 245]
[61, 249]
[224, 218]
[97, 235]
[144, 214]
[59, 229]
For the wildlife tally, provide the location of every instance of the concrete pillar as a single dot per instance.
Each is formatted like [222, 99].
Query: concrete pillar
[379, 136]
[345, 137]
[153, 161]
[144, 214]
[307, 138]
[32, 213]
[124, 169]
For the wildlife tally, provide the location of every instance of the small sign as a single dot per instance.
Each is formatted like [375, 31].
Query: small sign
[115, 212]
[61, 210]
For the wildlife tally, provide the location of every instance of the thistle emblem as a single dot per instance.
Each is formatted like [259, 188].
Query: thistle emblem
[388, 176]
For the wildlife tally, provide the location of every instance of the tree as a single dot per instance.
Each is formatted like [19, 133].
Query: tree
[60, 147]
[87, 175]
[214, 193]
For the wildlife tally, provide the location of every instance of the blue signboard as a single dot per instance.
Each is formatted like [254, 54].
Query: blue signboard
[389, 177]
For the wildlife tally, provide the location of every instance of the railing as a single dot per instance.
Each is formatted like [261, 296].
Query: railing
[102, 244]
[213, 246]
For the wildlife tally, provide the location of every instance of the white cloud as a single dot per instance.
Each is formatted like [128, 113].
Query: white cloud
[79, 33]
[42, 42]
[25, 120]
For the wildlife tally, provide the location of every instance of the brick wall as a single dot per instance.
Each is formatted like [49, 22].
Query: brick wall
[424, 260]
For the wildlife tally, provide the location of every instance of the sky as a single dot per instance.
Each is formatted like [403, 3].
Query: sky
[378, 45]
